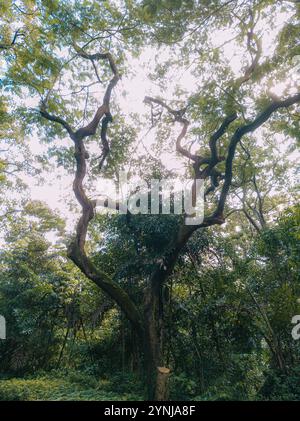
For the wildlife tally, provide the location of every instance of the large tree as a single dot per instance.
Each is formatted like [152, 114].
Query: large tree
[89, 44]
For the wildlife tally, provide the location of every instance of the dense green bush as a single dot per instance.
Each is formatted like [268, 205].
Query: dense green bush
[280, 387]
[61, 386]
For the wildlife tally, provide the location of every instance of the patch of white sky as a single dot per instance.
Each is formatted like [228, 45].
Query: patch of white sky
[56, 191]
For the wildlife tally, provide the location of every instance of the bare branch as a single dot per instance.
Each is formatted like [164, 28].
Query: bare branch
[91, 128]
[17, 35]
[178, 116]
[51, 117]
[239, 133]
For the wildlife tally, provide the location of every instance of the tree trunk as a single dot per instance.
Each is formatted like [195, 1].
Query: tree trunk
[153, 343]
[162, 380]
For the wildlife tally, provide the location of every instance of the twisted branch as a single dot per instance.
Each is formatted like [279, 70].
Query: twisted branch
[76, 249]
[161, 272]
